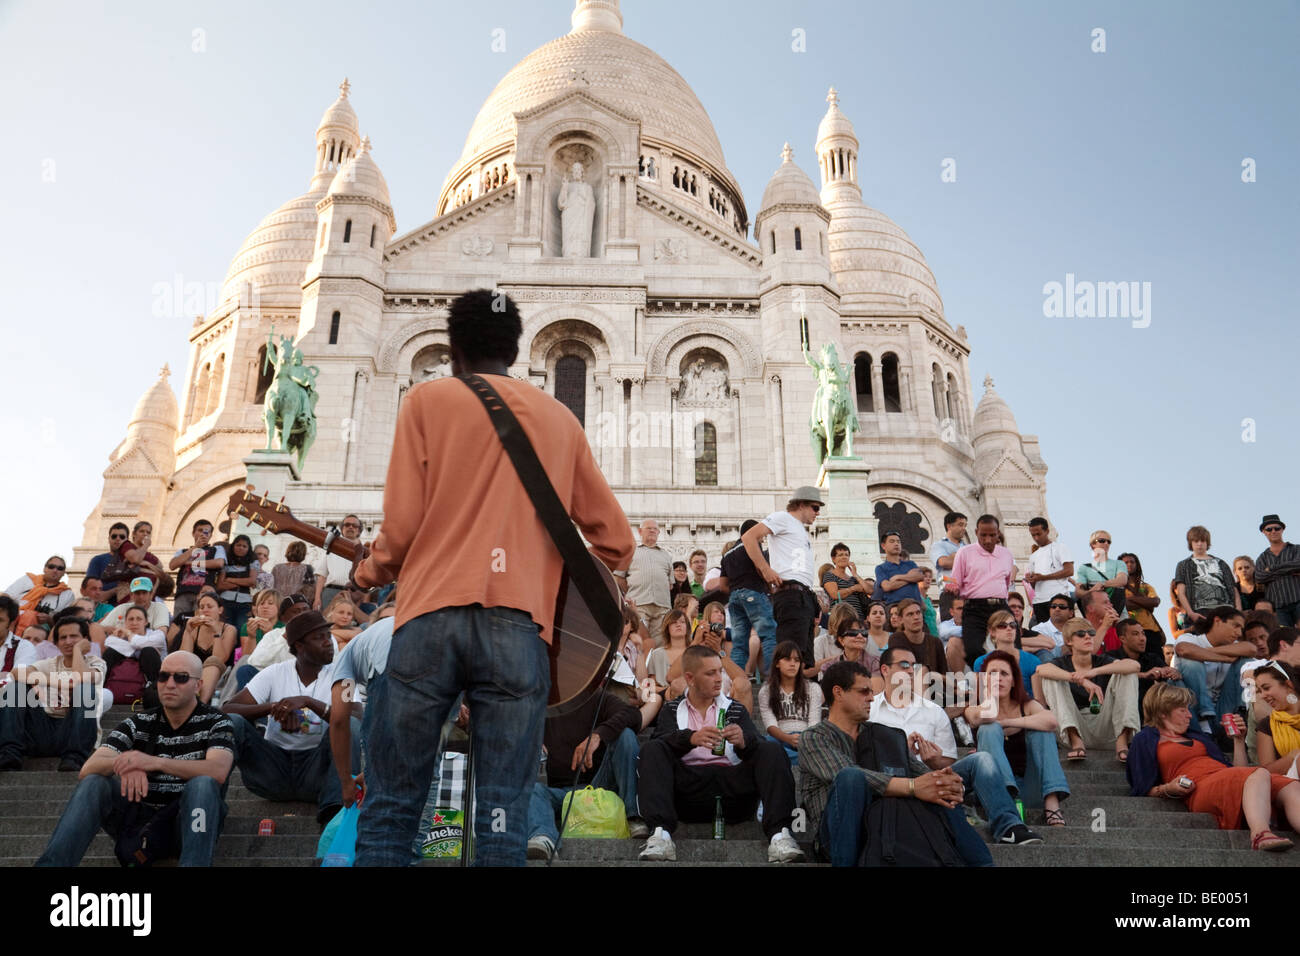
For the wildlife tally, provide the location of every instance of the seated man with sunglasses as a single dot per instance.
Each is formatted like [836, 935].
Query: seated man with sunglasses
[172, 759]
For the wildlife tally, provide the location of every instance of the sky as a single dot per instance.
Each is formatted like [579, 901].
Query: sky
[148, 139]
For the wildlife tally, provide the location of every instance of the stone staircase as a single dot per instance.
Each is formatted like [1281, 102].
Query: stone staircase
[1106, 828]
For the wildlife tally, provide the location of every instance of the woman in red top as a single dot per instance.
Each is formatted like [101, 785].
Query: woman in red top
[1232, 792]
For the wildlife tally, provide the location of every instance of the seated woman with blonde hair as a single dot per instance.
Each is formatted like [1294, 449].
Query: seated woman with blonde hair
[1080, 680]
[1171, 760]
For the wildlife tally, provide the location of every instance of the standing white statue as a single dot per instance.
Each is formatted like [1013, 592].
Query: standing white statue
[577, 213]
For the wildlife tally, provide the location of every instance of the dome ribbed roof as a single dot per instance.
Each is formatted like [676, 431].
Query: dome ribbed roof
[276, 254]
[789, 184]
[875, 261]
[612, 68]
[360, 176]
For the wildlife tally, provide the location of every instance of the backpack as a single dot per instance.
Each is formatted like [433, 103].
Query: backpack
[147, 835]
[901, 831]
[126, 681]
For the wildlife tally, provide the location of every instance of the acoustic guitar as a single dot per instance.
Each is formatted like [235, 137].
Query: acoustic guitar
[582, 656]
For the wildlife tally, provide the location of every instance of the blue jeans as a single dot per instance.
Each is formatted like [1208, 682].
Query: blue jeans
[236, 613]
[243, 674]
[618, 767]
[839, 835]
[1043, 773]
[27, 731]
[98, 802]
[277, 774]
[1287, 614]
[979, 772]
[496, 657]
[1229, 693]
[751, 609]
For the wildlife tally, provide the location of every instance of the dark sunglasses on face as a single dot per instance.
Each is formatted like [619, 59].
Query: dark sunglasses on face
[117, 537]
[55, 567]
[1090, 632]
[853, 632]
[1273, 527]
[1102, 541]
[1059, 607]
[179, 677]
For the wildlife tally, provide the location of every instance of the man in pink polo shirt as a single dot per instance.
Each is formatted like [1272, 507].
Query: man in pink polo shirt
[981, 574]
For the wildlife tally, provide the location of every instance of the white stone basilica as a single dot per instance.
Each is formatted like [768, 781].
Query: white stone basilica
[593, 190]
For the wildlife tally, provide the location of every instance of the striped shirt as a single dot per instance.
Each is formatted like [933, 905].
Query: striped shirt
[151, 733]
[1284, 589]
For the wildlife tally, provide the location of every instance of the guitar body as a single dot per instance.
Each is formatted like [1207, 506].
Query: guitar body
[581, 656]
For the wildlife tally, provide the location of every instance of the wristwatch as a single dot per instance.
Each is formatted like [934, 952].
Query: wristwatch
[619, 574]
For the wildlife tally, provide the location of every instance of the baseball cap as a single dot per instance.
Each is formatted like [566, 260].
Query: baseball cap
[141, 584]
[290, 601]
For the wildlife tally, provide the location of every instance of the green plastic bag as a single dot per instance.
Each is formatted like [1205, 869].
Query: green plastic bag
[595, 813]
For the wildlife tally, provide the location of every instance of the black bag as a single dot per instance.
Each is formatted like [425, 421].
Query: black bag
[901, 831]
[148, 835]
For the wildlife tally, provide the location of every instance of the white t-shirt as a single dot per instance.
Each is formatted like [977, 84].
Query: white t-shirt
[280, 681]
[790, 548]
[155, 613]
[918, 717]
[1215, 671]
[948, 629]
[1049, 560]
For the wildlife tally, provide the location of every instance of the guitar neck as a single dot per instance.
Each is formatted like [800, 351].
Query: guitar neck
[312, 535]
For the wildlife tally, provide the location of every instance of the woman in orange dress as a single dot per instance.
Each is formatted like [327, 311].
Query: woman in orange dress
[1169, 760]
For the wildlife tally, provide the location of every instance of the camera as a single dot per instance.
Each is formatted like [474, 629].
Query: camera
[718, 628]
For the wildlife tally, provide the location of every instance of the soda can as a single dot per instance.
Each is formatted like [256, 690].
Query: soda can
[266, 827]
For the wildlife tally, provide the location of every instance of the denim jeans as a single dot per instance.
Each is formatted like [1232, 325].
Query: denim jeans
[496, 657]
[751, 609]
[1287, 614]
[1229, 693]
[243, 674]
[27, 731]
[839, 835]
[98, 802]
[617, 767]
[277, 774]
[236, 613]
[1043, 774]
[979, 772]
[790, 752]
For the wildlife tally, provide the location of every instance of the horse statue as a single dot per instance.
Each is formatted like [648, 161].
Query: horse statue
[834, 419]
[291, 399]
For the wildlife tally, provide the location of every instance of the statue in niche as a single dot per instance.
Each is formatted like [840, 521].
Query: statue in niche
[704, 382]
[715, 383]
[577, 205]
[438, 366]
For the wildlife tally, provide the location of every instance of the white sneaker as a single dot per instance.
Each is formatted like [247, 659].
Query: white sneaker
[540, 847]
[659, 847]
[637, 829]
[783, 849]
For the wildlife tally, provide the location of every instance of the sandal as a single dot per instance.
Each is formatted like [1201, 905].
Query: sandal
[1269, 841]
[1077, 754]
[1054, 818]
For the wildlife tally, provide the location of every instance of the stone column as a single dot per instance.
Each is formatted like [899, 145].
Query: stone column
[777, 417]
[636, 417]
[878, 393]
[849, 514]
[736, 425]
[272, 475]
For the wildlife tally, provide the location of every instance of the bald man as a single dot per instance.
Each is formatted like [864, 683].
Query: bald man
[649, 578]
[168, 764]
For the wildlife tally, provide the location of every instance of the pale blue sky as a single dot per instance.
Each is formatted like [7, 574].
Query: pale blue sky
[1115, 166]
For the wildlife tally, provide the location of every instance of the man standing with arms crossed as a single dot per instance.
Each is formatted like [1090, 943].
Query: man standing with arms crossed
[479, 575]
[982, 574]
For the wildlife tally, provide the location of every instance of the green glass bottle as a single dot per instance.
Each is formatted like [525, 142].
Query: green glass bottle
[719, 824]
[720, 748]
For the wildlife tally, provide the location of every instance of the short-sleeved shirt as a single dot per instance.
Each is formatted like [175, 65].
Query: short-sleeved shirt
[920, 716]
[856, 600]
[1028, 664]
[1215, 671]
[190, 581]
[365, 655]
[983, 574]
[943, 548]
[1095, 572]
[649, 576]
[790, 548]
[151, 733]
[888, 569]
[280, 681]
[155, 613]
[1141, 614]
[95, 569]
[1209, 581]
[1066, 663]
[738, 568]
[1048, 560]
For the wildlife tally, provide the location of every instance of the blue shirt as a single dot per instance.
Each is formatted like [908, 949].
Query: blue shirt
[886, 570]
[1028, 664]
[95, 569]
[365, 655]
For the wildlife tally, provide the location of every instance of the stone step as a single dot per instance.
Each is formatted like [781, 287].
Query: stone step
[231, 847]
[1079, 815]
[1153, 837]
[234, 825]
[1167, 855]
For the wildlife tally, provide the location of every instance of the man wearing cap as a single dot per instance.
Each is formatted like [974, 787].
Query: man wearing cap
[749, 604]
[1278, 569]
[896, 578]
[142, 597]
[982, 574]
[293, 760]
[790, 573]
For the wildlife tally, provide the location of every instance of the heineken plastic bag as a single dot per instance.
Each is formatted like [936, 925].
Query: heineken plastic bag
[442, 825]
[594, 813]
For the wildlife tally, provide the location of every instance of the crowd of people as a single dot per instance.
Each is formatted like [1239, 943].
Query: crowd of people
[760, 681]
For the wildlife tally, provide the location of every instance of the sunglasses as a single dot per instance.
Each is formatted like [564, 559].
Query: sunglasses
[1009, 624]
[814, 506]
[1090, 632]
[117, 537]
[1102, 541]
[1274, 527]
[854, 632]
[1059, 607]
[180, 678]
[55, 567]
[351, 524]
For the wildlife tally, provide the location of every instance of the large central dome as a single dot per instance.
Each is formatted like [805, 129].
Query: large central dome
[598, 59]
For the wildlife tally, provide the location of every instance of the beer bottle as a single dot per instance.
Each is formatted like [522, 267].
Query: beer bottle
[719, 824]
[720, 748]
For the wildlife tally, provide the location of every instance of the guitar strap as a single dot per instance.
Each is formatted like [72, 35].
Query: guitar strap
[578, 562]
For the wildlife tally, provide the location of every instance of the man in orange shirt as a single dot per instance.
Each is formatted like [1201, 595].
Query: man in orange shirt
[479, 575]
